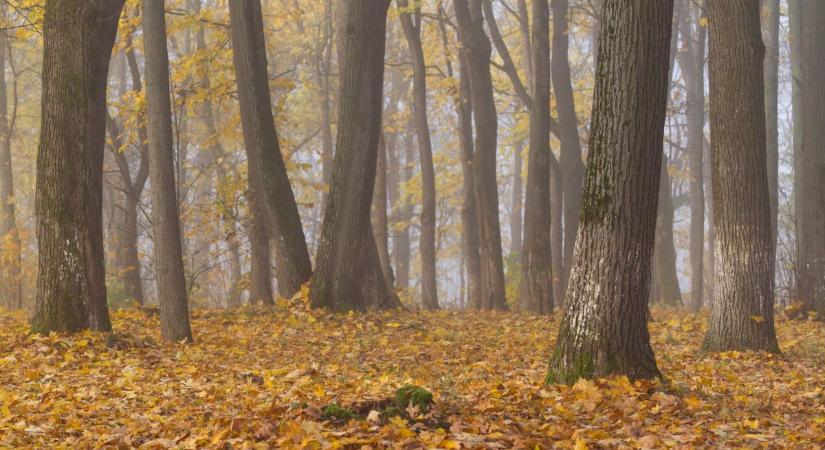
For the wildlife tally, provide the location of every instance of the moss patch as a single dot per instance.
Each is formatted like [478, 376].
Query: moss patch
[338, 413]
[413, 395]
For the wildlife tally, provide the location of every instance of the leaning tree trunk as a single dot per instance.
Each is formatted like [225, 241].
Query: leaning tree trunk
[664, 253]
[77, 43]
[537, 260]
[742, 312]
[412, 32]
[570, 160]
[770, 36]
[604, 330]
[380, 224]
[11, 294]
[174, 309]
[263, 151]
[478, 50]
[348, 274]
[811, 212]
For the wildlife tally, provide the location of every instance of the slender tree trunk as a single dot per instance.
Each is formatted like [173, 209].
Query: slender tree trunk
[380, 224]
[572, 168]
[11, 294]
[537, 267]
[795, 44]
[812, 160]
[604, 330]
[742, 312]
[348, 274]
[260, 282]
[770, 36]
[556, 230]
[174, 309]
[77, 42]
[412, 32]
[478, 50]
[263, 152]
[517, 212]
[664, 254]
[402, 212]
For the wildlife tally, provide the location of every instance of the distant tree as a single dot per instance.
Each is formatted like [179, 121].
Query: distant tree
[172, 294]
[742, 311]
[411, 25]
[604, 330]
[811, 196]
[348, 273]
[769, 16]
[77, 44]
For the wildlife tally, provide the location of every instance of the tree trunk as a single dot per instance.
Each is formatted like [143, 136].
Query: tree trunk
[770, 36]
[11, 294]
[517, 211]
[811, 197]
[412, 32]
[263, 152]
[795, 44]
[537, 267]
[742, 312]
[572, 168]
[380, 224]
[664, 253]
[604, 330]
[77, 42]
[402, 212]
[348, 274]
[478, 51]
[174, 309]
[260, 277]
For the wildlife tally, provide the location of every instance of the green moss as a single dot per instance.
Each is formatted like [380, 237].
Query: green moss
[596, 201]
[413, 395]
[392, 411]
[560, 373]
[338, 413]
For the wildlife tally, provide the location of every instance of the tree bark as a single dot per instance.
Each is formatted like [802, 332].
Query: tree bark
[811, 215]
[348, 274]
[604, 330]
[469, 207]
[664, 253]
[174, 309]
[537, 267]
[380, 224]
[77, 42]
[412, 33]
[770, 36]
[478, 50]
[572, 167]
[263, 151]
[742, 312]
[11, 294]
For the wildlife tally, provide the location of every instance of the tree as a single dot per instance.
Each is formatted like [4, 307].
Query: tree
[77, 43]
[604, 330]
[742, 311]
[348, 273]
[811, 196]
[537, 267]
[268, 177]
[11, 294]
[412, 33]
[478, 50]
[174, 308]
[770, 36]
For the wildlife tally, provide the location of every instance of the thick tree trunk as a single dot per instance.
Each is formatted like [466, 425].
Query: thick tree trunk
[572, 168]
[412, 32]
[692, 63]
[478, 50]
[537, 267]
[348, 274]
[604, 330]
[812, 160]
[174, 309]
[263, 152]
[742, 312]
[260, 276]
[77, 42]
[11, 295]
[770, 36]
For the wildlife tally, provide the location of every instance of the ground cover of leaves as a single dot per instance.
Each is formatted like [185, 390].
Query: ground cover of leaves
[262, 378]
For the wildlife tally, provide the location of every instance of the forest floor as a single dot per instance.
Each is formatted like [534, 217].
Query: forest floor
[263, 378]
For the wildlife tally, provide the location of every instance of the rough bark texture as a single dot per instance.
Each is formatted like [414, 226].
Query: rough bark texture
[692, 63]
[174, 309]
[263, 151]
[811, 214]
[742, 311]
[77, 42]
[770, 36]
[412, 33]
[572, 167]
[478, 50]
[795, 44]
[604, 330]
[348, 274]
[537, 267]
[11, 295]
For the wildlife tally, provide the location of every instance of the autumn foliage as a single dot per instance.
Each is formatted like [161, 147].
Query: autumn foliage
[266, 378]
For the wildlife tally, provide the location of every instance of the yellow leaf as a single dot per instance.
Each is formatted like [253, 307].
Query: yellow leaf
[393, 324]
[580, 444]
